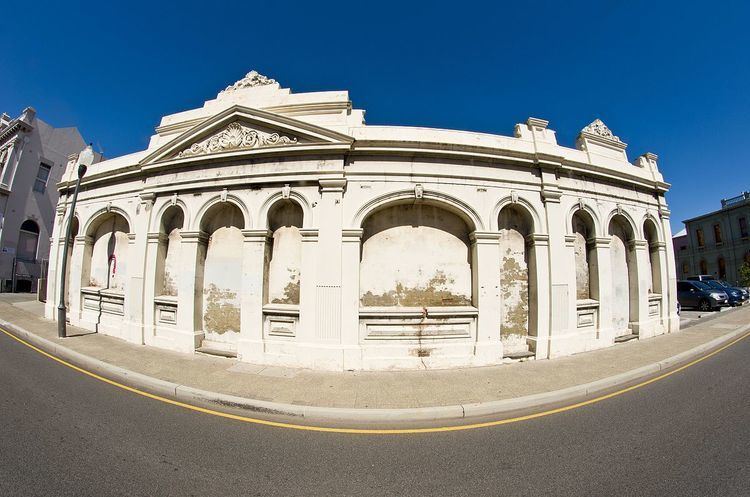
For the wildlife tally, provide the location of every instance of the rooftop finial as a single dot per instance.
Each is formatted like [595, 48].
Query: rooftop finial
[600, 129]
[251, 79]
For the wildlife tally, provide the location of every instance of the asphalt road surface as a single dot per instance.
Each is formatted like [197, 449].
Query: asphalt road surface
[63, 433]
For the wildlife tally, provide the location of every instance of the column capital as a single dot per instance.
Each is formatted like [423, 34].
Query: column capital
[309, 234]
[601, 242]
[638, 244]
[87, 240]
[332, 185]
[156, 237]
[551, 194]
[484, 237]
[261, 235]
[538, 240]
[194, 236]
[570, 240]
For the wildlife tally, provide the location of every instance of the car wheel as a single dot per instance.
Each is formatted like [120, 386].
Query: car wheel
[704, 305]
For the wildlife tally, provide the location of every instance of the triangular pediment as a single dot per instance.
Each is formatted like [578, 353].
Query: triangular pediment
[240, 129]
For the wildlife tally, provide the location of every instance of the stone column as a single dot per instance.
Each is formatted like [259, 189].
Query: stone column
[80, 270]
[55, 260]
[561, 295]
[485, 255]
[540, 318]
[328, 300]
[601, 286]
[250, 347]
[641, 325]
[190, 285]
[352, 239]
[308, 277]
[154, 243]
[660, 251]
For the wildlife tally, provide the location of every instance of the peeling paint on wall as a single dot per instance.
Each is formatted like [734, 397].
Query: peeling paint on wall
[109, 254]
[172, 263]
[514, 287]
[583, 288]
[284, 266]
[222, 285]
[620, 280]
[415, 256]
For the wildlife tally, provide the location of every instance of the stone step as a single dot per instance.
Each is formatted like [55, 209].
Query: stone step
[519, 355]
[626, 338]
[208, 350]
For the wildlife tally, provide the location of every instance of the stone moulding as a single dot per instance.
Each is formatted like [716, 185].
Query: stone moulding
[600, 129]
[236, 137]
[251, 80]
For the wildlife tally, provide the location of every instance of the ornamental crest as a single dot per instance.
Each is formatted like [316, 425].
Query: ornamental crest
[600, 129]
[236, 137]
[251, 79]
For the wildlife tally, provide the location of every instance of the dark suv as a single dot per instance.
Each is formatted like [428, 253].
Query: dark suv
[699, 294]
[736, 296]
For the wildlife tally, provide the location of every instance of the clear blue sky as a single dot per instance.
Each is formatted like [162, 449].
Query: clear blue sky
[667, 77]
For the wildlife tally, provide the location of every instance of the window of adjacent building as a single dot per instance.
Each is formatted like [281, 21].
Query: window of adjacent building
[699, 235]
[722, 268]
[40, 184]
[685, 268]
[717, 234]
[743, 227]
[28, 241]
[704, 267]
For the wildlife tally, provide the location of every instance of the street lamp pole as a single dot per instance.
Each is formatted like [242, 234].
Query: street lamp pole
[85, 159]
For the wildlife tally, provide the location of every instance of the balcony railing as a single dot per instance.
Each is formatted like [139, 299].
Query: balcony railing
[729, 202]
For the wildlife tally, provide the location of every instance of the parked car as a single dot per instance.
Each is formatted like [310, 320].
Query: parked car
[737, 296]
[700, 295]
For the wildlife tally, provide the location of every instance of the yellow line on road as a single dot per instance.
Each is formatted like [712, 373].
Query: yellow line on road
[375, 431]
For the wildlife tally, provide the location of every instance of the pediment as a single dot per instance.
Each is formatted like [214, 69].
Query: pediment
[240, 129]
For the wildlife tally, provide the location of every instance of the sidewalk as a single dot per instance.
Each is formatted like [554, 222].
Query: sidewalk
[358, 395]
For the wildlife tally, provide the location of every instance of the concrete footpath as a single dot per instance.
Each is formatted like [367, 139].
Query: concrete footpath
[361, 396]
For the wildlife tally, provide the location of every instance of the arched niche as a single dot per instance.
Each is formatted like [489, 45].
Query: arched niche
[28, 241]
[517, 279]
[282, 269]
[168, 257]
[650, 232]
[106, 260]
[415, 255]
[220, 273]
[587, 286]
[624, 275]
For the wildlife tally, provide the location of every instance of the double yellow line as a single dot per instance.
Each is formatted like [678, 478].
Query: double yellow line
[375, 431]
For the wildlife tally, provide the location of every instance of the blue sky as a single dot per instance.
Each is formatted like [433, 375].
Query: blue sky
[667, 77]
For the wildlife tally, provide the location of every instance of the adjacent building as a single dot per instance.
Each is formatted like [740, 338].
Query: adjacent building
[33, 156]
[717, 243]
[279, 228]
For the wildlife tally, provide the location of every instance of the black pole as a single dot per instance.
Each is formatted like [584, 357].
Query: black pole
[61, 310]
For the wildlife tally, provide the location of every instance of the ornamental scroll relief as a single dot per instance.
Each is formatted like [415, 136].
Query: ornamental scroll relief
[236, 137]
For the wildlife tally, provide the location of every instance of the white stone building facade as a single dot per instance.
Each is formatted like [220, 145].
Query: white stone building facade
[279, 228]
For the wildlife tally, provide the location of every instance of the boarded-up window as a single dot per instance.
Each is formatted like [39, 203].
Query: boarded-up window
[28, 241]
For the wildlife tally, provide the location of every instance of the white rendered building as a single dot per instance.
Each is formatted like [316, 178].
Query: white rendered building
[33, 157]
[279, 228]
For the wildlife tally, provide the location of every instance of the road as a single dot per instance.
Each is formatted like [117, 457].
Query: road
[64, 433]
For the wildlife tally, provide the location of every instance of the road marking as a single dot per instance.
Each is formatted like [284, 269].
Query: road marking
[375, 431]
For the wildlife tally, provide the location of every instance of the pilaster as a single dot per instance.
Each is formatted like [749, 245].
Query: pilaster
[351, 244]
[250, 346]
[190, 284]
[641, 324]
[485, 254]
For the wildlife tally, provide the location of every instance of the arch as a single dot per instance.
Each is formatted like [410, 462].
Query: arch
[590, 213]
[283, 265]
[518, 283]
[520, 202]
[28, 241]
[655, 262]
[415, 255]
[171, 223]
[438, 199]
[626, 218]
[294, 196]
[158, 216]
[106, 258]
[583, 232]
[98, 216]
[653, 223]
[624, 274]
[201, 215]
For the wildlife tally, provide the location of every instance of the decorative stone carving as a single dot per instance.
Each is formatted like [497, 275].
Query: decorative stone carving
[418, 191]
[236, 137]
[286, 191]
[513, 197]
[224, 194]
[173, 200]
[600, 129]
[251, 79]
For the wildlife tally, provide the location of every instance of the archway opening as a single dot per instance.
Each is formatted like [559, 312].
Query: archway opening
[220, 266]
[624, 277]
[282, 270]
[654, 259]
[71, 242]
[107, 259]
[168, 259]
[415, 255]
[587, 279]
[28, 241]
[517, 280]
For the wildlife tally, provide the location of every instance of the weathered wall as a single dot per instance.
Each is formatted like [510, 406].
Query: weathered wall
[583, 273]
[620, 263]
[514, 280]
[222, 279]
[415, 256]
[172, 263]
[283, 269]
[109, 255]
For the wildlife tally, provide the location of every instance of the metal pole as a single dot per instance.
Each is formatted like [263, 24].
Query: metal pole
[61, 310]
